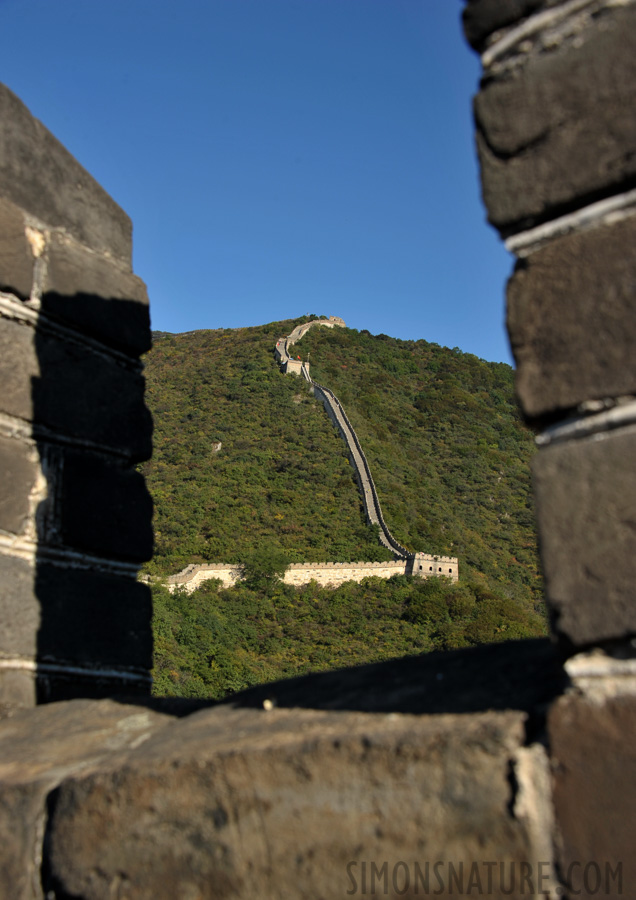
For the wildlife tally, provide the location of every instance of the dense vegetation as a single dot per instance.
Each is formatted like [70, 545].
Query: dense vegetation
[214, 642]
[282, 473]
[449, 456]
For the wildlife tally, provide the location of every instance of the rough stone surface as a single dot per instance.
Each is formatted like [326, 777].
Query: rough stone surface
[40, 747]
[18, 474]
[482, 17]
[74, 616]
[561, 132]
[39, 175]
[571, 322]
[73, 390]
[16, 258]
[96, 295]
[593, 748]
[93, 619]
[19, 613]
[17, 691]
[585, 496]
[104, 508]
[240, 803]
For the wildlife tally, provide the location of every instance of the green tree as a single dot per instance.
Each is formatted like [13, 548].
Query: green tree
[264, 567]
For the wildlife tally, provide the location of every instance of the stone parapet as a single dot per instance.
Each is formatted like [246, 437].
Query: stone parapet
[557, 153]
[283, 344]
[327, 574]
[557, 144]
[190, 578]
[47, 184]
[210, 806]
[75, 516]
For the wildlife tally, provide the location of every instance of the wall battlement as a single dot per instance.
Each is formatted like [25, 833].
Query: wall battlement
[326, 574]
[338, 416]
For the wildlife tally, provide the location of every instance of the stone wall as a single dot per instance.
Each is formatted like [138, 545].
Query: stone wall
[75, 517]
[328, 574]
[556, 135]
[503, 770]
[338, 416]
[295, 366]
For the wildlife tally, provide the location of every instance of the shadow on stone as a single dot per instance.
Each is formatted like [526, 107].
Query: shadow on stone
[519, 675]
[94, 518]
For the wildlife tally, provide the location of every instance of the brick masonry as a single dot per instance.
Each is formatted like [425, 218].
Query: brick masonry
[74, 514]
[328, 574]
[557, 145]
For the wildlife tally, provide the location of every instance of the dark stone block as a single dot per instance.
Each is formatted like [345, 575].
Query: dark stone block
[105, 508]
[75, 616]
[246, 803]
[18, 471]
[97, 296]
[585, 494]
[38, 174]
[38, 748]
[19, 610]
[92, 619]
[73, 390]
[593, 749]
[571, 321]
[16, 257]
[482, 17]
[560, 132]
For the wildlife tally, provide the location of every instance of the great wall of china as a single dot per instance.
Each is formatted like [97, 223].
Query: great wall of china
[512, 765]
[422, 565]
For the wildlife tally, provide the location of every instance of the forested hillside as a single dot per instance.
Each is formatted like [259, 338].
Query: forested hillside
[449, 456]
[282, 474]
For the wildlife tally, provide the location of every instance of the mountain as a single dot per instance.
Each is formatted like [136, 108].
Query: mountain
[246, 458]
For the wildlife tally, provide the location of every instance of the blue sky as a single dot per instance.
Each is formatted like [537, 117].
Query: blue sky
[278, 157]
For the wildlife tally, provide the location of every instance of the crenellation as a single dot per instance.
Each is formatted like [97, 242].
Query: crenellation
[325, 573]
[75, 515]
[338, 416]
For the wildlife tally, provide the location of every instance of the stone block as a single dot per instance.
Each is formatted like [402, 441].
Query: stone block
[585, 493]
[16, 257]
[22, 816]
[571, 322]
[483, 17]
[18, 474]
[96, 295]
[71, 389]
[63, 614]
[289, 804]
[560, 132]
[19, 611]
[17, 691]
[104, 508]
[39, 175]
[593, 750]
[92, 618]
[38, 748]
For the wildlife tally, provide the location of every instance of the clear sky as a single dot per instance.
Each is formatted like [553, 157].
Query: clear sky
[278, 157]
